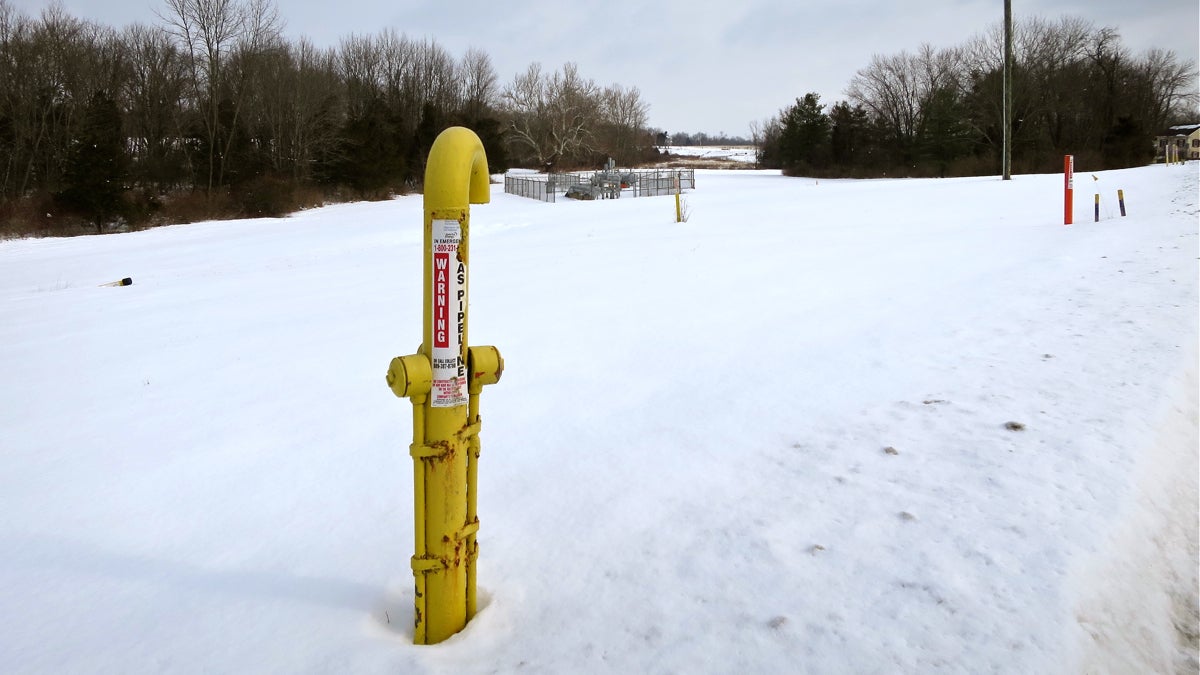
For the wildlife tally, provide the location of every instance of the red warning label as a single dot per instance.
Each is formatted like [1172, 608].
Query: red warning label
[441, 300]
[449, 316]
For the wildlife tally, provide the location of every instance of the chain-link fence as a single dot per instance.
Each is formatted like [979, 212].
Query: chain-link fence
[543, 187]
[600, 184]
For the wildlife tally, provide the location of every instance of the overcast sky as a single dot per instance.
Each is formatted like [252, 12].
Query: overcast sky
[701, 65]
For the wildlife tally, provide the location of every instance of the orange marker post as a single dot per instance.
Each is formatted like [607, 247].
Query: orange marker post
[1068, 189]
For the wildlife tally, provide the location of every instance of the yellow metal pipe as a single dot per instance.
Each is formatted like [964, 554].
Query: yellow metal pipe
[678, 206]
[472, 499]
[419, 517]
[419, 487]
[457, 173]
[484, 367]
[473, 449]
[442, 382]
[456, 176]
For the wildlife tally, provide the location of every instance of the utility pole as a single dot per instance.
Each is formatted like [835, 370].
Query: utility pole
[1006, 161]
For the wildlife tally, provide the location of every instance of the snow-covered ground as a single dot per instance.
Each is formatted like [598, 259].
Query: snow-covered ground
[732, 153]
[774, 438]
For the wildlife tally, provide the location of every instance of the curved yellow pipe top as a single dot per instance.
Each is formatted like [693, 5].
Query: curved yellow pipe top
[457, 172]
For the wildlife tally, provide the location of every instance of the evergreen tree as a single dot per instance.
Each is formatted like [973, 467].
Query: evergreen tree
[1125, 145]
[804, 139]
[944, 134]
[95, 175]
[849, 136]
[372, 159]
[432, 123]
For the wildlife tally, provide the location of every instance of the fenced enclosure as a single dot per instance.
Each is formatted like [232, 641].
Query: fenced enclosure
[543, 187]
[610, 184]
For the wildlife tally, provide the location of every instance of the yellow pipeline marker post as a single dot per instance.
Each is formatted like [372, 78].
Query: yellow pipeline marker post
[678, 206]
[444, 380]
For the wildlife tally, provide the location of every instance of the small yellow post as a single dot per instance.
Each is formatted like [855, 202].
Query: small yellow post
[443, 380]
[678, 205]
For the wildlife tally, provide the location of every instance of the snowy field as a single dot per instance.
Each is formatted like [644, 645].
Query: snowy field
[897, 426]
[732, 153]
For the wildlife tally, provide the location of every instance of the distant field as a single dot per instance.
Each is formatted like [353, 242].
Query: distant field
[710, 156]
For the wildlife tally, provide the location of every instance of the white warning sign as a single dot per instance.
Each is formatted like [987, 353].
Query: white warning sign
[449, 316]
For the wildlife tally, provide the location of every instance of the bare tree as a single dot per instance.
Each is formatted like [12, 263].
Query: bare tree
[1169, 86]
[17, 90]
[298, 108]
[47, 75]
[479, 81]
[361, 69]
[898, 89]
[551, 116]
[206, 31]
[152, 100]
[433, 79]
[211, 34]
[623, 114]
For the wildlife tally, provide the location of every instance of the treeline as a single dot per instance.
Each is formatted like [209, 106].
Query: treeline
[212, 113]
[684, 138]
[1076, 90]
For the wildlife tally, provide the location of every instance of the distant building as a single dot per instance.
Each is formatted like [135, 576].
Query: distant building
[1184, 137]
